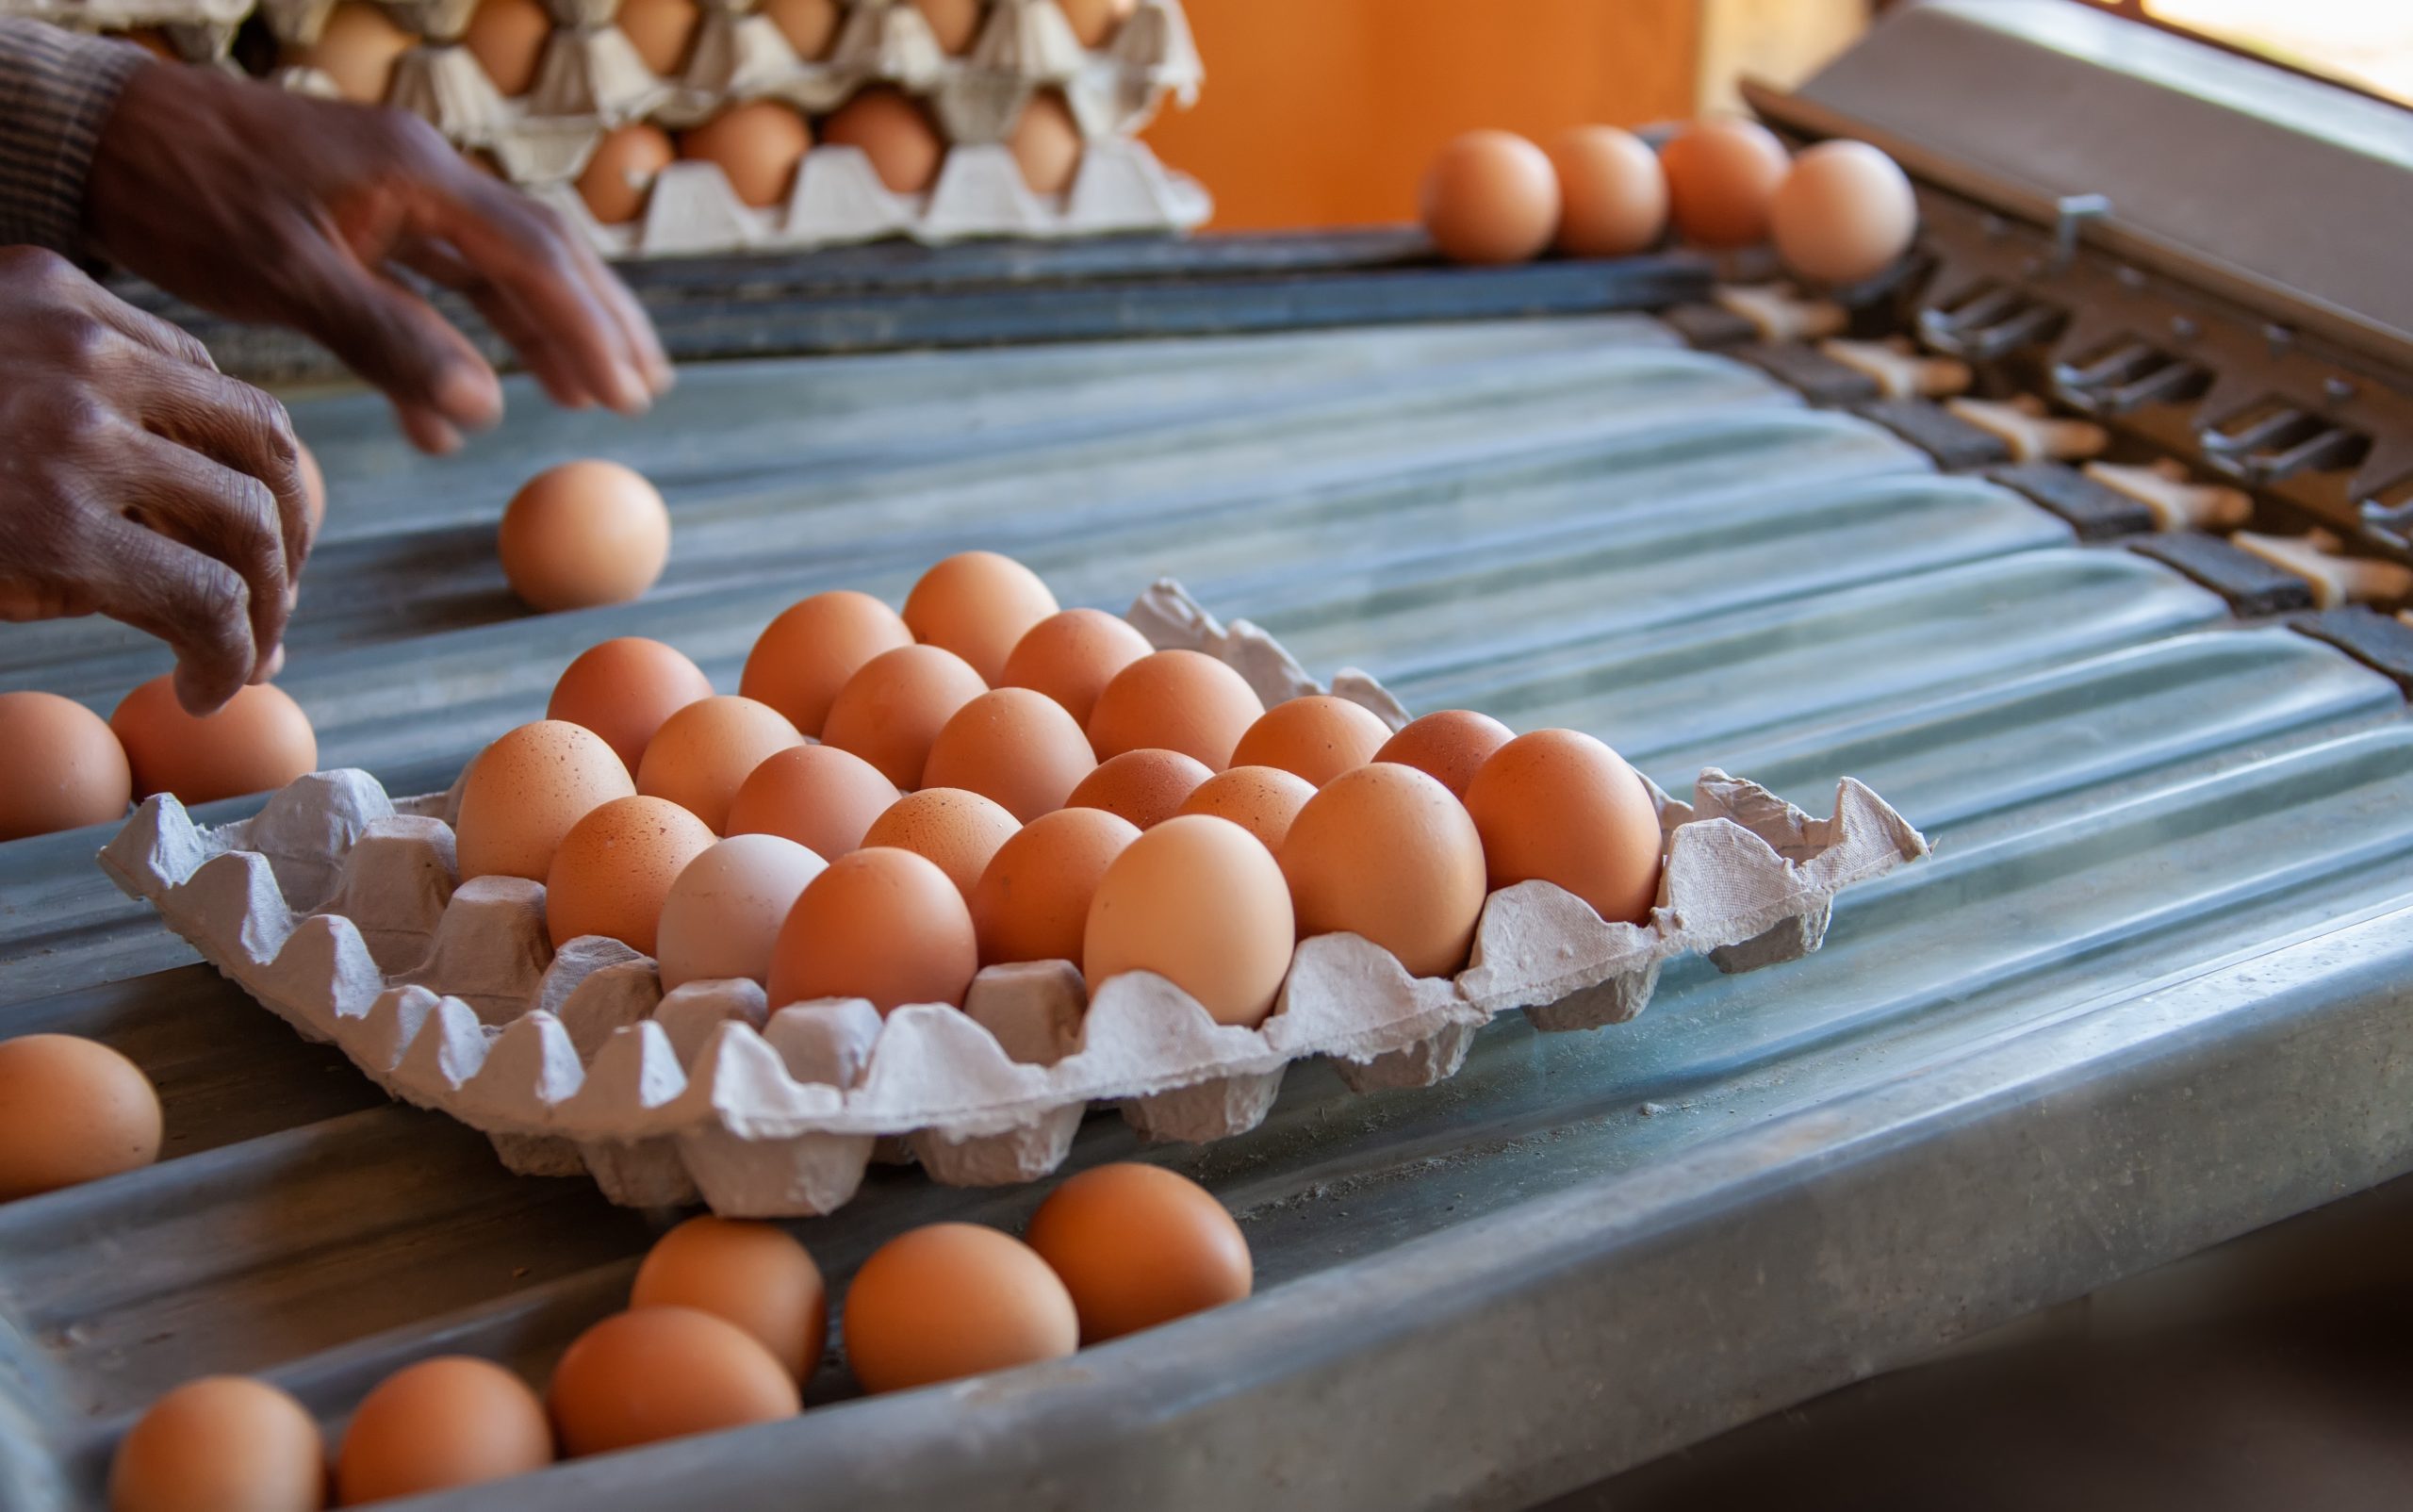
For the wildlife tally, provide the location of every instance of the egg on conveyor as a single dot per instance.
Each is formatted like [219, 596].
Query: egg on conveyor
[583, 535]
[755, 1276]
[221, 1441]
[259, 739]
[657, 1372]
[1613, 195]
[1844, 213]
[951, 1300]
[1722, 176]
[67, 768]
[444, 1422]
[1490, 197]
[1139, 1245]
[72, 1110]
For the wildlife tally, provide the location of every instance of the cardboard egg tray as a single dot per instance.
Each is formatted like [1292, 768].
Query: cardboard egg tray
[200, 30]
[338, 908]
[590, 80]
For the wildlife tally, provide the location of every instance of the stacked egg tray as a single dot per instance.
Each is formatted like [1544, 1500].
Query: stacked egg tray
[591, 80]
[336, 908]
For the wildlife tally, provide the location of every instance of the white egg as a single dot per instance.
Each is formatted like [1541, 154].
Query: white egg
[726, 908]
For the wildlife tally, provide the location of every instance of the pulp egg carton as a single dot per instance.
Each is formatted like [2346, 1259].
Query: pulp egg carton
[200, 30]
[590, 80]
[338, 908]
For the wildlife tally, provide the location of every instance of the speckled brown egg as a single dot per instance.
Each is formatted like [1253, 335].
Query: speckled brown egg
[507, 38]
[1072, 656]
[1174, 700]
[616, 867]
[1147, 787]
[951, 1300]
[220, 1443]
[1613, 198]
[823, 798]
[523, 793]
[895, 133]
[618, 178]
[1447, 747]
[978, 605]
[704, 753]
[1490, 197]
[1047, 144]
[1846, 212]
[1319, 737]
[883, 925]
[443, 1423]
[1722, 175]
[584, 535]
[1033, 902]
[1139, 1245]
[1262, 800]
[651, 1374]
[954, 23]
[357, 47]
[807, 654]
[757, 146]
[72, 1110]
[66, 768]
[810, 25]
[1558, 806]
[959, 831]
[623, 689]
[755, 1276]
[1198, 901]
[1384, 852]
[260, 740]
[1014, 747]
[659, 31]
[891, 712]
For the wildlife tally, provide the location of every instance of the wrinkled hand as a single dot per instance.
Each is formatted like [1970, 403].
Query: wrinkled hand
[261, 205]
[139, 481]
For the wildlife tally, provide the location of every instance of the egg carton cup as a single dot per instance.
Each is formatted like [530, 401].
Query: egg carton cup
[338, 909]
[201, 31]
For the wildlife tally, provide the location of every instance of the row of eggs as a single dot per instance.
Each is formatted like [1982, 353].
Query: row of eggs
[726, 1324]
[893, 801]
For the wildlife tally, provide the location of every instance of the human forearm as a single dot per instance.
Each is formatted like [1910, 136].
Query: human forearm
[56, 90]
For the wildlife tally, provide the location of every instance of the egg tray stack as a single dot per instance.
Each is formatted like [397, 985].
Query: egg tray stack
[337, 908]
[590, 80]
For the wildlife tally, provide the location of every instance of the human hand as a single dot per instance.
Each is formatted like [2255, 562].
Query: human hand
[262, 204]
[139, 481]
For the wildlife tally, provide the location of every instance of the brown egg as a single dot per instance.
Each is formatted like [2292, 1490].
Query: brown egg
[623, 689]
[951, 1300]
[66, 768]
[1047, 143]
[1174, 700]
[810, 25]
[1846, 212]
[1319, 737]
[978, 604]
[651, 1374]
[313, 484]
[507, 37]
[1447, 747]
[960, 831]
[808, 654]
[659, 31]
[1146, 787]
[72, 1110]
[1721, 176]
[583, 535]
[823, 798]
[615, 868]
[1490, 197]
[1015, 746]
[618, 178]
[891, 712]
[1137, 1245]
[357, 47]
[155, 41]
[704, 753]
[1558, 806]
[1386, 853]
[1262, 800]
[448, 1422]
[1612, 199]
[755, 1276]
[758, 145]
[1199, 902]
[1072, 656]
[219, 1442]
[883, 925]
[260, 741]
[954, 23]
[1095, 22]
[894, 132]
[524, 792]
[1033, 902]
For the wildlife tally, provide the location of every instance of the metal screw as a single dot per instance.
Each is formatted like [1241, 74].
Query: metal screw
[2183, 328]
[2339, 389]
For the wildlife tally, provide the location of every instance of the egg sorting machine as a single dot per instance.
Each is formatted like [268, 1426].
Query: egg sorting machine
[2149, 993]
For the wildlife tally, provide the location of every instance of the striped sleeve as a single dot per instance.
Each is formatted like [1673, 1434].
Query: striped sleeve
[56, 88]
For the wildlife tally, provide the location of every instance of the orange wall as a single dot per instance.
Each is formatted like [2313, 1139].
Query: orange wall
[1323, 112]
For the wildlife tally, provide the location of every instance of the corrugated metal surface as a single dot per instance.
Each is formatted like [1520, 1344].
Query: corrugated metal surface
[1568, 522]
